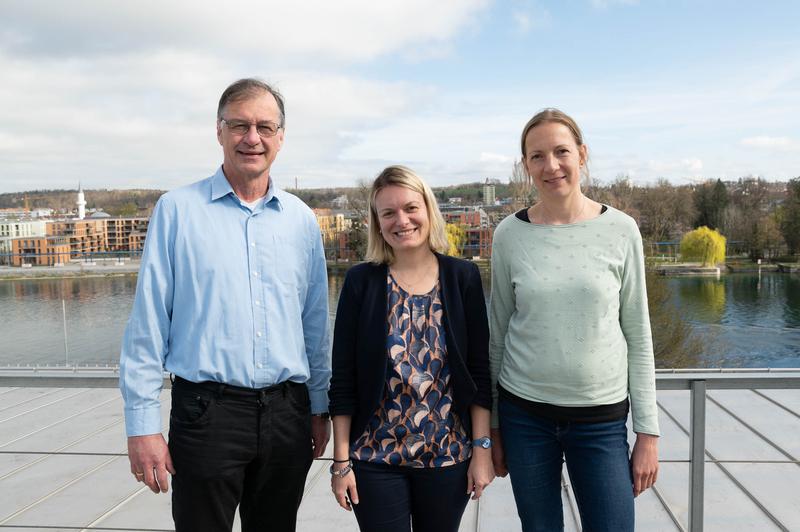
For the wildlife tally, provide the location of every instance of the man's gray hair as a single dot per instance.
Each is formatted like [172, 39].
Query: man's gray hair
[247, 88]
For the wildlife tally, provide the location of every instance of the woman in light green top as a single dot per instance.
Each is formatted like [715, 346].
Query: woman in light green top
[570, 349]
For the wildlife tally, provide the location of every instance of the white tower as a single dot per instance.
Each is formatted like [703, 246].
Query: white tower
[81, 203]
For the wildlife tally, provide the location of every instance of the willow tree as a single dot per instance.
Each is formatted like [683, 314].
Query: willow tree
[703, 245]
[456, 236]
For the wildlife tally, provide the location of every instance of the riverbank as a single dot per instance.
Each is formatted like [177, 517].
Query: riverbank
[110, 268]
[113, 268]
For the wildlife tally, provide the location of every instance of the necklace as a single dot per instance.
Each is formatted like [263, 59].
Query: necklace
[411, 285]
[570, 220]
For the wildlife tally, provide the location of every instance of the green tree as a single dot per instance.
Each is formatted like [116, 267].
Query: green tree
[703, 245]
[711, 201]
[128, 209]
[456, 235]
[790, 216]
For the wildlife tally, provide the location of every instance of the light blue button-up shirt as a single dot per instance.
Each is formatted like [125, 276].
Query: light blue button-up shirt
[226, 294]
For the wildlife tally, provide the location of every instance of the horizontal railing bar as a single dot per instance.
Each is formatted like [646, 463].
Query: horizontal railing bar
[91, 377]
[61, 527]
[721, 461]
[70, 453]
[730, 381]
[322, 458]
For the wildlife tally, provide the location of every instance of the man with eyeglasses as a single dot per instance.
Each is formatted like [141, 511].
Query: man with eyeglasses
[232, 301]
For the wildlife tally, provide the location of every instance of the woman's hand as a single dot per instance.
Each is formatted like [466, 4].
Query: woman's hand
[498, 455]
[344, 486]
[644, 462]
[480, 473]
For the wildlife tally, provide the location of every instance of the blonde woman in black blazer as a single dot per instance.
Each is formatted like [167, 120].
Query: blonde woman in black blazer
[410, 394]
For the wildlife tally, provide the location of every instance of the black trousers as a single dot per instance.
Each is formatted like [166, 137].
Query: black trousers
[392, 498]
[237, 446]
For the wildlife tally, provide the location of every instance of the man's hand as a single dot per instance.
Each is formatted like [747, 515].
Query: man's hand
[498, 455]
[320, 434]
[644, 462]
[150, 461]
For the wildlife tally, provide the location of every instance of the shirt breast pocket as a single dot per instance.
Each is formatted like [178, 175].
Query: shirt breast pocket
[290, 263]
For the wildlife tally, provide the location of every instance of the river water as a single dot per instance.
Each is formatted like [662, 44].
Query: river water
[751, 320]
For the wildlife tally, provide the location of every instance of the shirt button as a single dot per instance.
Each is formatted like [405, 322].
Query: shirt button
[258, 334]
[259, 365]
[255, 274]
[252, 244]
[258, 302]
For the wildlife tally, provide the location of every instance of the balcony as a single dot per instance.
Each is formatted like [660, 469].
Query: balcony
[729, 458]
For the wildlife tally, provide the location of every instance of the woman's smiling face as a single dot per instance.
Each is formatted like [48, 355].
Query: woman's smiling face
[553, 160]
[403, 218]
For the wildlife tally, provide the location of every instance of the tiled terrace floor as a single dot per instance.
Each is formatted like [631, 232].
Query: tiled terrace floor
[84, 491]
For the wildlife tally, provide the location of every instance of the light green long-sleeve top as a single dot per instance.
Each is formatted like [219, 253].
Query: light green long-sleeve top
[568, 319]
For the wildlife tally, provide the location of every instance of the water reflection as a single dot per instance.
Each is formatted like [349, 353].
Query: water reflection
[705, 294]
[32, 320]
[756, 321]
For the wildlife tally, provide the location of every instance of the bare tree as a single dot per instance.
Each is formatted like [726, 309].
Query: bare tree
[523, 193]
[667, 211]
[358, 202]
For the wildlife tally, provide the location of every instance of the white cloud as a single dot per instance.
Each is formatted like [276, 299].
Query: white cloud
[528, 15]
[523, 21]
[345, 30]
[123, 94]
[495, 158]
[777, 143]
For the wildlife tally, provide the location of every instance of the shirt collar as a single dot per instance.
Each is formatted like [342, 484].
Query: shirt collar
[220, 187]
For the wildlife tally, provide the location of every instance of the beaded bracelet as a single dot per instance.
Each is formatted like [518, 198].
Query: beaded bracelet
[343, 471]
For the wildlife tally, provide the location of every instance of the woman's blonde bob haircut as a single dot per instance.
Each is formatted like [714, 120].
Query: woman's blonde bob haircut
[378, 251]
[557, 116]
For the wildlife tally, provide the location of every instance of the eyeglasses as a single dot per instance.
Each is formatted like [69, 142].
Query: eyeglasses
[241, 128]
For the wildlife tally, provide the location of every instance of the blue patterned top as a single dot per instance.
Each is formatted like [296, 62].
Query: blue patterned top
[414, 425]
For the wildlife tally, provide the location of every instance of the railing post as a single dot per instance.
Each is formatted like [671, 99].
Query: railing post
[697, 455]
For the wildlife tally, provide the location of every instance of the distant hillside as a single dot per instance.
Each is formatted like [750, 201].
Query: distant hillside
[140, 202]
[137, 202]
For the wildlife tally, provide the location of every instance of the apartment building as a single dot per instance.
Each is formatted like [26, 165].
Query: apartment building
[84, 236]
[126, 234]
[40, 250]
[11, 229]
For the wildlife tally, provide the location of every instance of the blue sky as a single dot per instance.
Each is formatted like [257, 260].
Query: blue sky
[123, 94]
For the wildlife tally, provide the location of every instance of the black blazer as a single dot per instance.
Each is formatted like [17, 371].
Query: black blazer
[360, 358]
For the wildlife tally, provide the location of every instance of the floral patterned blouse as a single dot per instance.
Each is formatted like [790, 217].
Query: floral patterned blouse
[414, 426]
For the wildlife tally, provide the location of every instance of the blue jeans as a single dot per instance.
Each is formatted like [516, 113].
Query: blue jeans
[597, 460]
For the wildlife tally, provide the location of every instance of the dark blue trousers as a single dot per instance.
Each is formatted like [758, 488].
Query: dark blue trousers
[391, 498]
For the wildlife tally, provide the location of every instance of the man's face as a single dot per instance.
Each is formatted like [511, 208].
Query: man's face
[249, 156]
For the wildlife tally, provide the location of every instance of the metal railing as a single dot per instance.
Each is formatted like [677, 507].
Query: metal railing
[696, 381]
